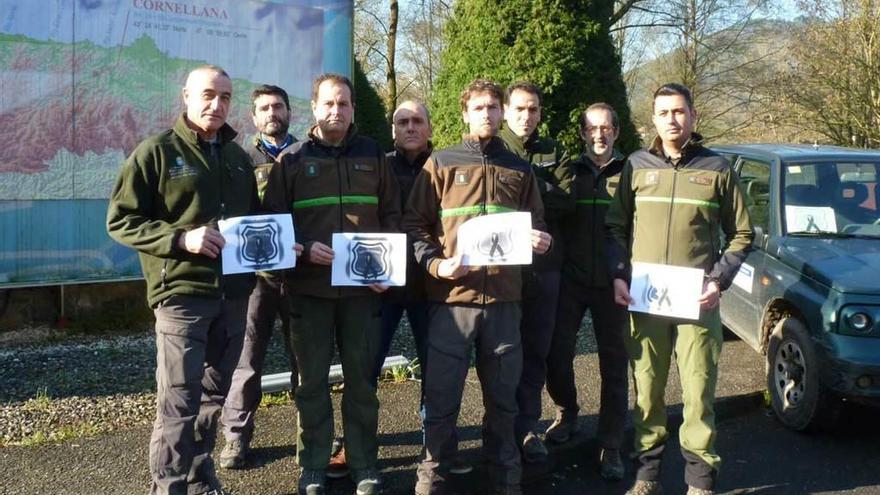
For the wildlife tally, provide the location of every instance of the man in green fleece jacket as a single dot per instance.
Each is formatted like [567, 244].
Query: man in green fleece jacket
[678, 203]
[552, 169]
[170, 194]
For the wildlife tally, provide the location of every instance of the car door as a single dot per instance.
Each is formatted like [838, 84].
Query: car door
[741, 307]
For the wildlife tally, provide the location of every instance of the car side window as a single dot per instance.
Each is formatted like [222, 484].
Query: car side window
[754, 177]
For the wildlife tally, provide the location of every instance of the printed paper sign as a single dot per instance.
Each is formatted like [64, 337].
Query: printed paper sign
[810, 219]
[257, 243]
[364, 259]
[498, 239]
[745, 277]
[666, 290]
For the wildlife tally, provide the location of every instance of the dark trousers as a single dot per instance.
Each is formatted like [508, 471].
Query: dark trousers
[538, 320]
[609, 323]
[244, 396]
[417, 315]
[319, 326]
[453, 332]
[198, 342]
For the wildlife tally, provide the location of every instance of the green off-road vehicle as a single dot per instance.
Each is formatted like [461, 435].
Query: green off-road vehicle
[808, 295]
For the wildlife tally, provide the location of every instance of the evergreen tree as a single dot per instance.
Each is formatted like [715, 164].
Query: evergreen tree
[369, 111]
[562, 46]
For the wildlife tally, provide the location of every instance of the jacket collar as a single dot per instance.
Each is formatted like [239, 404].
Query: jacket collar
[224, 135]
[617, 159]
[513, 141]
[346, 141]
[490, 146]
[420, 159]
[690, 148]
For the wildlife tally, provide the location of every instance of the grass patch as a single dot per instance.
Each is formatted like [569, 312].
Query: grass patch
[40, 403]
[276, 399]
[58, 435]
[400, 374]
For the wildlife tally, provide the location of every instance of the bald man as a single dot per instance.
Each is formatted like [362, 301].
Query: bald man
[170, 194]
[411, 128]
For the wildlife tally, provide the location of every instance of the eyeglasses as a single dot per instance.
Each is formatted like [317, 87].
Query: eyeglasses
[604, 129]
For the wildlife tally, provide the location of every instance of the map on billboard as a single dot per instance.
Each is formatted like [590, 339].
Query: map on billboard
[84, 81]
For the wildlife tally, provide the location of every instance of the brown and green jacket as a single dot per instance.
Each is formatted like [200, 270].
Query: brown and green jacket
[172, 183]
[583, 230]
[688, 213]
[459, 183]
[552, 168]
[330, 189]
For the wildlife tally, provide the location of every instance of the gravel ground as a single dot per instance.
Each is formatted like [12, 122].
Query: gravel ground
[87, 386]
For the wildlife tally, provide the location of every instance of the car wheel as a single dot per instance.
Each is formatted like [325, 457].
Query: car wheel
[796, 394]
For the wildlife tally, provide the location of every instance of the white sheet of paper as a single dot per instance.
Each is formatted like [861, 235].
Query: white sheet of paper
[497, 239]
[810, 218]
[364, 259]
[666, 290]
[257, 243]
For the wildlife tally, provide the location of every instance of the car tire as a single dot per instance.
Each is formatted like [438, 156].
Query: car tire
[796, 394]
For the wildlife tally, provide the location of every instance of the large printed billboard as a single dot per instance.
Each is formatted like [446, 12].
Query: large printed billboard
[83, 81]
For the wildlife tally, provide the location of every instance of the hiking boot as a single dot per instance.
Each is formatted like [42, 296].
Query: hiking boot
[533, 449]
[460, 466]
[367, 481]
[234, 454]
[311, 482]
[699, 491]
[610, 465]
[562, 428]
[337, 467]
[644, 487]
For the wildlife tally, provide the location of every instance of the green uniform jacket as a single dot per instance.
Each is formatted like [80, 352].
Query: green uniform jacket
[675, 214]
[330, 189]
[584, 229]
[457, 184]
[171, 184]
[552, 168]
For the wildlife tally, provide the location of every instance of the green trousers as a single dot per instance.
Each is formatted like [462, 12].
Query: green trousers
[318, 326]
[696, 345]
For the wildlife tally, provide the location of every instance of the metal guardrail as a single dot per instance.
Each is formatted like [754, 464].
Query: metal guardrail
[279, 382]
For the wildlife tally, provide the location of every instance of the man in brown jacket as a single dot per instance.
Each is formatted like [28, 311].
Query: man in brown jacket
[472, 305]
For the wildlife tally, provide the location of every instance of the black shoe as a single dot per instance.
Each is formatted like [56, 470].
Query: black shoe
[563, 427]
[533, 449]
[610, 465]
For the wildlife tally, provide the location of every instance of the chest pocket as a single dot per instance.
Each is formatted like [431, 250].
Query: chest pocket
[362, 177]
[611, 187]
[507, 188]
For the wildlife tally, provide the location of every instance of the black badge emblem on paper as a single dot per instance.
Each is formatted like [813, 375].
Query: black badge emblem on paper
[369, 261]
[260, 244]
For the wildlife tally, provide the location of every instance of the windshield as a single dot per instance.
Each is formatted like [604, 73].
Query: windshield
[832, 198]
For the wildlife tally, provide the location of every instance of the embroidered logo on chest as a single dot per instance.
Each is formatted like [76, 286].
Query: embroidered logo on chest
[311, 169]
[461, 178]
[652, 178]
[700, 181]
[181, 169]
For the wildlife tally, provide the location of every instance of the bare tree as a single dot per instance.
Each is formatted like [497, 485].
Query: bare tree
[830, 86]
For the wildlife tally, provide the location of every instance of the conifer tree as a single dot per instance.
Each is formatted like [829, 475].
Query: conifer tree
[562, 46]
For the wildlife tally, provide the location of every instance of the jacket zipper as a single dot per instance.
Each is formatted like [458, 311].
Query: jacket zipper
[596, 176]
[485, 209]
[669, 217]
[341, 205]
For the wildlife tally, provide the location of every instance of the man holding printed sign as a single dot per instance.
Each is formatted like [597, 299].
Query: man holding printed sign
[473, 305]
[672, 205]
[335, 181]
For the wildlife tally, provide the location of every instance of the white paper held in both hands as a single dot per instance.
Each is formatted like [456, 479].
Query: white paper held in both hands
[368, 258]
[257, 243]
[666, 290]
[497, 239]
